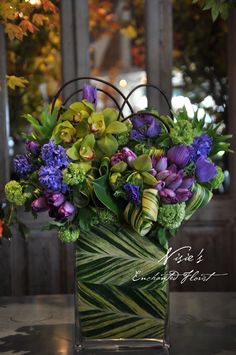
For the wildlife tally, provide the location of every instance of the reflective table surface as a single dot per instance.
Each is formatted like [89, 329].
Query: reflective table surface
[200, 324]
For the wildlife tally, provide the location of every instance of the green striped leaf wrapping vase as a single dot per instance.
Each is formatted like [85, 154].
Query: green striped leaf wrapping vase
[120, 296]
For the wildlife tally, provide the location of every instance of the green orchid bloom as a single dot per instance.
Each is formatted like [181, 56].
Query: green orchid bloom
[78, 111]
[64, 132]
[142, 166]
[83, 149]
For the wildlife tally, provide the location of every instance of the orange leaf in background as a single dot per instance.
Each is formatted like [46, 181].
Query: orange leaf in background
[1, 227]
[39, 19]
[26, 25]
[14, 31]
[15, 81]
[48, 6]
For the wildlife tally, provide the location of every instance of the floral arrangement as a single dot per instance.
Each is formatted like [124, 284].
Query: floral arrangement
[87, 168]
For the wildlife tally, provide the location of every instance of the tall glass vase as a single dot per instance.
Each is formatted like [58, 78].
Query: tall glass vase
[121, 298]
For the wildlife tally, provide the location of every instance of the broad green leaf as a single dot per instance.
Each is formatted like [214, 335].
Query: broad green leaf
[104, 194]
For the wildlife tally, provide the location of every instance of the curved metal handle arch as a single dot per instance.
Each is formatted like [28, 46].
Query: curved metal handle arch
[151, 86]
[94, 79]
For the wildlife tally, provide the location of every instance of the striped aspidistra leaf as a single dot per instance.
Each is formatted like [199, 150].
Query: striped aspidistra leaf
[142, 218]
[201, 197]
[111, 304]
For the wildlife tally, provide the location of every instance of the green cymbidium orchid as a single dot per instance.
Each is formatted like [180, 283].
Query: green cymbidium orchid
[96, 136]
[83, 149]
[64, 132]
[142, 166]
[78, 111]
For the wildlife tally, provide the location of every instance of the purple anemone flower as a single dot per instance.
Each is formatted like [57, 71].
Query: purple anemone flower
[145, 126]
[132, 193]
[90, 93]
[205, 169]
[40, 204]
[67, 209]
[179, 155]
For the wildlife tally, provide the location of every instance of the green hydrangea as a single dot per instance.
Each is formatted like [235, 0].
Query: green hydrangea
[182, 132]
[122, 139]
[171, 216]
[104, 216]
[217, 179]
[73, 175]
[68, 235]
[14, 193]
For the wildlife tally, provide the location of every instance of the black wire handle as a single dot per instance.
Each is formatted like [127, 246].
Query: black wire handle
[105, 92]
[125, 98]
[148, 86]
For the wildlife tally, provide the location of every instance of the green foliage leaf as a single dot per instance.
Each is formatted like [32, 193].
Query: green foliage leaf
[104, 194]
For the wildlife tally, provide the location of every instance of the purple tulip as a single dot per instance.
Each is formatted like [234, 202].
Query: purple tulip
[32, 147]
[39, 205]
[128, 154]
[205, 169]
[56, 199]
[179, 155]
[90, 94]
[183, 195]
[187, 182]
[125, 155]
[67, 209]
[159, 163]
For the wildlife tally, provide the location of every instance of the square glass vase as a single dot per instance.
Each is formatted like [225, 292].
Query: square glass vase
[121, 299]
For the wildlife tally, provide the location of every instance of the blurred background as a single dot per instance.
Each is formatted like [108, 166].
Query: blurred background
[172, 44]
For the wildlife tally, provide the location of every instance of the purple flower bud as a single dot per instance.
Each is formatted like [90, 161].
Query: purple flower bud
[39, 205]
[32, 147]
[167, 195]
[56, 199]
[163, 175]
[173, 168]
[160, 185]
[67, 209]
[179, 155]
[159, 163]
[183, 195]
[170, 179]
[187, 182]
[205, 169]
[90, 94]
[176, 183]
